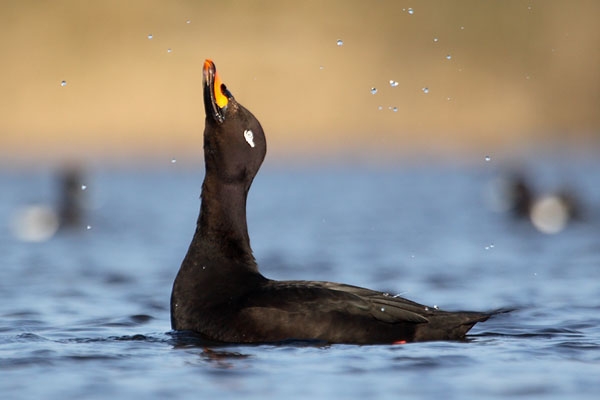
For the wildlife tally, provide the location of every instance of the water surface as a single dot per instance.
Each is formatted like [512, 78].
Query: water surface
[85, 313]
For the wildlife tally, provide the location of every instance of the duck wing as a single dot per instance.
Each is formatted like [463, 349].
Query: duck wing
[331, 312]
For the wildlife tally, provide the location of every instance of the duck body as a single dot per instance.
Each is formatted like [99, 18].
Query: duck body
[268, 311]
[219, 293]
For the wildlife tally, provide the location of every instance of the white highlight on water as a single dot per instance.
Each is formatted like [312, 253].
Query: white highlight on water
[549, 214]
[35, 223]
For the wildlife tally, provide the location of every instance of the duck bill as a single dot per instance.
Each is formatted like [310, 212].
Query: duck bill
[215, 101]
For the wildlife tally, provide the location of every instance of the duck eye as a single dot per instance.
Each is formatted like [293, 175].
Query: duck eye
[249, 136]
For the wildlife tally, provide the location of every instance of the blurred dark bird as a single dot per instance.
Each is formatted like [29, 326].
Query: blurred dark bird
[549, 213]
[40, 222]
[72, 196]
[520, 196]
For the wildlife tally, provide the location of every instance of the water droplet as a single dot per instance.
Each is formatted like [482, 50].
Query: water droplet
[63, 83]
[448, 57]
[395, 109]
[173, 161]
[435, 307]
[380, 108]
[373, 90]
[393, 83]
[462, 28]
[426, 308]
[83, 187]
[340, 42]
[425, 90]
[189, 21]
[491, 245]
[88, 227]
[435, 40]
[411, 11]
[150, 36]
[488, 158]
[382, 309]
[449, 98]
[527, 77]
[169, 50]
[321, 67]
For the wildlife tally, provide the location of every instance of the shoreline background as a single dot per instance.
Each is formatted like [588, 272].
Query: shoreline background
[501, 77]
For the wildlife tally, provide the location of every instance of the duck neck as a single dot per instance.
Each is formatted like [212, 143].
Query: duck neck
[222, 222]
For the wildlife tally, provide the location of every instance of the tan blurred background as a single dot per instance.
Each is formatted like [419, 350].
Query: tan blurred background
[521, 75]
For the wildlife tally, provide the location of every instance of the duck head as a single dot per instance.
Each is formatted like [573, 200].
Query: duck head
[234, 141]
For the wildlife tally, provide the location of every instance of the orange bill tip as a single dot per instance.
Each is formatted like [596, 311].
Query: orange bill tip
[220, 99]
[400, 342]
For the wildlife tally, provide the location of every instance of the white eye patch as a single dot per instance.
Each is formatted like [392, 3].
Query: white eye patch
[249, 136]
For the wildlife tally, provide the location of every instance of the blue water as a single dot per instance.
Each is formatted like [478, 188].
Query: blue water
[85, 314]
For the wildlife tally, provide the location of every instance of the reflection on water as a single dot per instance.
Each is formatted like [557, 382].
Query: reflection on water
[87, 312]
